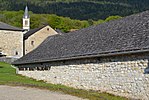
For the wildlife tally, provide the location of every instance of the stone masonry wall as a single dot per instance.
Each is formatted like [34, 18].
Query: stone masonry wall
[11, 43]
[120, 75]
[37, 38]
[7, 59]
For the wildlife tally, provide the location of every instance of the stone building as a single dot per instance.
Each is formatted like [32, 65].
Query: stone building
[11, 40]
[16, 42]
[34, 37]
[111, 57]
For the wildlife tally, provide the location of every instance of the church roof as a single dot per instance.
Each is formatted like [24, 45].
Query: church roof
[4, 26]
[123, 36]
[32, 31]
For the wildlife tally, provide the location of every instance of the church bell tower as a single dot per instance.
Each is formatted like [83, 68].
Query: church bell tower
[26, 20]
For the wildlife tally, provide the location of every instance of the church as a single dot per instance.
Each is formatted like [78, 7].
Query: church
[16, 42]
[112, 57]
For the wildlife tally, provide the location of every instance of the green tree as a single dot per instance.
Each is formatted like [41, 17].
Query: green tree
[112, 18]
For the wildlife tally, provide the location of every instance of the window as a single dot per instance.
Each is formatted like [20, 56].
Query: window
[48, 29]
[26, 22]
[32, 43]
[16, 53]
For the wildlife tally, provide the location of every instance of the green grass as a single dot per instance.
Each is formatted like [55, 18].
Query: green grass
[9, 77]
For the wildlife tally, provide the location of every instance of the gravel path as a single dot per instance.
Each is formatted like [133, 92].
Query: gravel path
[25, 93]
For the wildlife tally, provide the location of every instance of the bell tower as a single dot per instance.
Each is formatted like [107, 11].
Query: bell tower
[26, 20]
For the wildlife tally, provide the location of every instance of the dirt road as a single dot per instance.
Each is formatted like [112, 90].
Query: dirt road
[25, 93]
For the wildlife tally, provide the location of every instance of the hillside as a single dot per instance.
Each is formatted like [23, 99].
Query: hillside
[57, 22]
[78, 9]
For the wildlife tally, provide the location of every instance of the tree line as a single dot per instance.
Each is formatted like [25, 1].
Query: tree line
[78, 9]
[57, 22]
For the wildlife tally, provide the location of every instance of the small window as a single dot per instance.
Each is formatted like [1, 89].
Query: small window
[48, 29]
[32, 43]
[26, 22]
[16, 53]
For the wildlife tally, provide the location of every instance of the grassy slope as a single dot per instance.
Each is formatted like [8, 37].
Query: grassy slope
[9, 77]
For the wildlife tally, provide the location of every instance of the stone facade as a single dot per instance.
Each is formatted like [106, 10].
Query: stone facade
[37, 38]
[120, 75]
[11, 43]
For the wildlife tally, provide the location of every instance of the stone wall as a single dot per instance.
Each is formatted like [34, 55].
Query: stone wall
[11, 43]
[37, 38]
[7, 59]
[120, 75]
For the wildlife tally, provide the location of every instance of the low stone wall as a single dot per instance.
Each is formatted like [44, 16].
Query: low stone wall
[120, 75]
[7, 59]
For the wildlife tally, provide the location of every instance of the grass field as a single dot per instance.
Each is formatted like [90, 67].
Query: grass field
[9, 77]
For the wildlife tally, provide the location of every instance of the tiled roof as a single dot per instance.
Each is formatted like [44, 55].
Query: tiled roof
[126, 35]
[4, 26]
[31, 32]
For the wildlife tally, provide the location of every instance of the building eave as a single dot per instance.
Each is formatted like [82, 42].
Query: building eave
[12, 29]
[105, 54]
